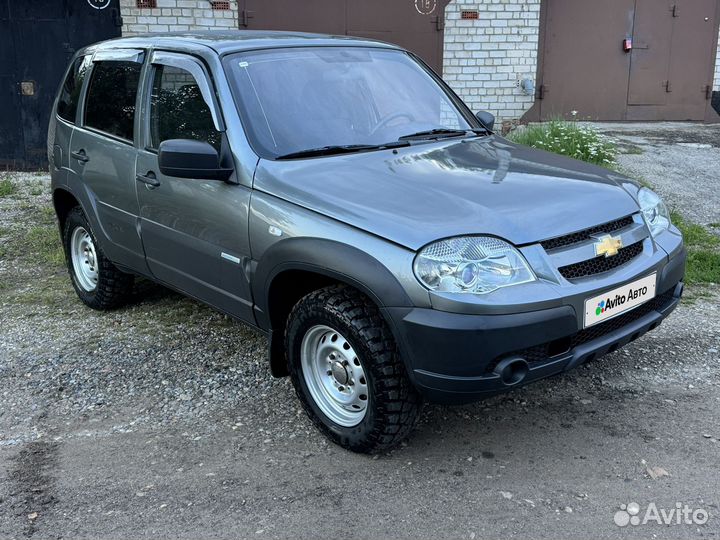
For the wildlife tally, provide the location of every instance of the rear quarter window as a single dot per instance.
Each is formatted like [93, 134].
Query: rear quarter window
[70, 90]
[110, 104]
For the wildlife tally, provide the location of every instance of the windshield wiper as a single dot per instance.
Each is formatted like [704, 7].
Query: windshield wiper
[341, 149]
[439, 133]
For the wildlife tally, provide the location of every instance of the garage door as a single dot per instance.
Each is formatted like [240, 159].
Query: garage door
[627, 59]
[37, 40]
[416, 25]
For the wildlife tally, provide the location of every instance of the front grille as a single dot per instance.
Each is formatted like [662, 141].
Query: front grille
[545, 352]
[601, 264]
[584, 236]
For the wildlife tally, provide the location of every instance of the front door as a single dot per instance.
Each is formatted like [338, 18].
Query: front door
[194, 231]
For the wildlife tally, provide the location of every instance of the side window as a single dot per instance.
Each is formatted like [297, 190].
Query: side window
[70, 91]
[110, 105]
[178, 109]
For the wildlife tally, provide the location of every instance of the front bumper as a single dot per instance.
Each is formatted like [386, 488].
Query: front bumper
[454, 357]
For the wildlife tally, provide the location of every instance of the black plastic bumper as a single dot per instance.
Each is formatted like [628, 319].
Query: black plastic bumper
[453, 358]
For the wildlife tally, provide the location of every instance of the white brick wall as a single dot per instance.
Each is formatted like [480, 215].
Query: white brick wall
[485, 59]
[176, 16]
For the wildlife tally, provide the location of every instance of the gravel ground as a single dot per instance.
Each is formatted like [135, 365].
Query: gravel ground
[162, 420]
[680, 160]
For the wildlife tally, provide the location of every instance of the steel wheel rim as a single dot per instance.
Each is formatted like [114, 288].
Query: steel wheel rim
[334, 375]
[84, 259]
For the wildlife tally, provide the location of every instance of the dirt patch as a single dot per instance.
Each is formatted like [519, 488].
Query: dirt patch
[32, 486]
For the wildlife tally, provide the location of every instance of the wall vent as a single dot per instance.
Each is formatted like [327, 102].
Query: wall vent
[146, 4]
[220, 4]
[469, 14]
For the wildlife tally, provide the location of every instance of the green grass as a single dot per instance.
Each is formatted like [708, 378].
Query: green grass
[703, 265]
[568, 139]
[7, 188]
[694, 234]
[44, 242]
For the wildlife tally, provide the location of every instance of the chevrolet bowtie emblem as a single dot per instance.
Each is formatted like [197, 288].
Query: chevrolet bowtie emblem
[608, 245]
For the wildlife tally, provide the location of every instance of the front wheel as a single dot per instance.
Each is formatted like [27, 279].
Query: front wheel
[347, 371]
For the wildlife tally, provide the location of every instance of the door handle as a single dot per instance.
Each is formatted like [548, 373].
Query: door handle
[150, 179]
[80, 155]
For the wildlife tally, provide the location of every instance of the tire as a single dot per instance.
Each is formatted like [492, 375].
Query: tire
[338, 326]
[101, 285]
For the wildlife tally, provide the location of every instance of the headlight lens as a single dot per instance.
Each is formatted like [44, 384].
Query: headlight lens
[471, 264]
[654, 209]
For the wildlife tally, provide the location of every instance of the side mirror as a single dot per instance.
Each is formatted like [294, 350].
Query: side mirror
[486, 119]
[186, 158]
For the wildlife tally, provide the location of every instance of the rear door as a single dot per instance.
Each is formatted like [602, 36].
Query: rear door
[103, 153]
[62, 126]
[194, 231]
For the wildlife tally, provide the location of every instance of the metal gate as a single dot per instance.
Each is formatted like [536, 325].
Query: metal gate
[627, 59]
[37, 39]
[416, 25]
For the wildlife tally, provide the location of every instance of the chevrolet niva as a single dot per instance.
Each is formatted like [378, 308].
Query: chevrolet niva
[336, 194]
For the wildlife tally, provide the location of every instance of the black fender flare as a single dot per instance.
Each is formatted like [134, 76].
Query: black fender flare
[329, 258]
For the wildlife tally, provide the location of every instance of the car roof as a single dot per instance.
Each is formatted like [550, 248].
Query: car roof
[229, 41]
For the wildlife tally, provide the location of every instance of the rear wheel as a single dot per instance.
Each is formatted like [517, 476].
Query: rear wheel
[347, 371]
[97, 282]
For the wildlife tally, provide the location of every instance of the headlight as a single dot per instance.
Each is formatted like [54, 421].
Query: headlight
[653, 208]
[471, 264]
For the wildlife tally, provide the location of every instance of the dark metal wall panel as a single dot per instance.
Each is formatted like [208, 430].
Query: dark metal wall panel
[37, 10]
[584, 68]
[691, 69]
[43, 69]
[415, 25]
[12, 142]
[582, 65]
[402, 23]
[37, 40]
[324, 16]
[650, 57]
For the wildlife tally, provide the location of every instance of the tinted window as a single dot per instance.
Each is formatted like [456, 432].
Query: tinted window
[178, 110]
[111, 98]
[296, 99]
[70, 91]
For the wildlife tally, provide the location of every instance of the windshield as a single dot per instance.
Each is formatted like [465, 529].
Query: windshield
[298, 99]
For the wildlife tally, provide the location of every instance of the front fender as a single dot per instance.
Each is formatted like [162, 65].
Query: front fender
[328, 258]
[330, 261]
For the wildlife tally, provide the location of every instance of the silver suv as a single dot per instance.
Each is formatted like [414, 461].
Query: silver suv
[336, 195]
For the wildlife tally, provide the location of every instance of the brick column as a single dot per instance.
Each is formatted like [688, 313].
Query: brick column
[486, 59]
[176, 16]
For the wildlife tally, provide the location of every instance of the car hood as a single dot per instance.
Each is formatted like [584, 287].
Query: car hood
[454, 187]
